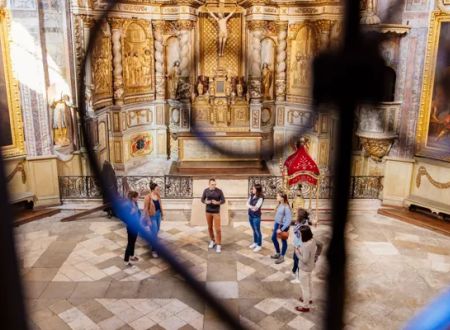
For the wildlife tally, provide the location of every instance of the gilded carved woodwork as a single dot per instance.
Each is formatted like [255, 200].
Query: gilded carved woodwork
[101, 68]
[302, 47]
[184, 27]
[138, 62]
[10, 94]
[280, 75]
[231, 59]
[376, 147]
[324, 27]
[139, 117]
[280, 116]
[158, 33]
[78, 44]
[116, 25]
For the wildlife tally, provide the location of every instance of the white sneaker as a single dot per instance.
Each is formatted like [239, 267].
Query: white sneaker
[211, 244]
[295, 281]
[218, 249]
[294, 275]
[252, 246]
[155, 255]
[257, 248]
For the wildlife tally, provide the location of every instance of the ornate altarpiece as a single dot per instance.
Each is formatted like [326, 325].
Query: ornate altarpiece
[11, 126]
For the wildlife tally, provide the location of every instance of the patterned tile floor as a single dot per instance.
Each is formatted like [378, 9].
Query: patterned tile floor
[75, 278]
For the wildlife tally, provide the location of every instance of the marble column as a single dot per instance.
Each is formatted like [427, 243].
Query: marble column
[116, 26]
[158, 32]
[280, 74]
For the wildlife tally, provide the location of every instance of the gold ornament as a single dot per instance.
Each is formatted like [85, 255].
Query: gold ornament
[422, 171]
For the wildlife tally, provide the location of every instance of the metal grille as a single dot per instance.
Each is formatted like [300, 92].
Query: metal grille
[87, 187]
[361, 187]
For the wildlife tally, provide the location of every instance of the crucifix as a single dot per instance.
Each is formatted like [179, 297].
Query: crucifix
[222, 24]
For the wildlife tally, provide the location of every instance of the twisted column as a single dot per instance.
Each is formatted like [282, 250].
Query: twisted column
[158, 31]
[185, 27]
[116, 25]
[280, 74]
[256, 28]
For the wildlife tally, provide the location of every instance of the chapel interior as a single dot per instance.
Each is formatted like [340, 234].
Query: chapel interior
[176, 92]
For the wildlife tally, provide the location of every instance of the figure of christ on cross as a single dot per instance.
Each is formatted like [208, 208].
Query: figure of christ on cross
[222, 24]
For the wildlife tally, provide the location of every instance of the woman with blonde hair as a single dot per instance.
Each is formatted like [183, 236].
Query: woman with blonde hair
[283, 217]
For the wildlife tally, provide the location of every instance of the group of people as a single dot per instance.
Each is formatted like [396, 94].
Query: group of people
[306, 248]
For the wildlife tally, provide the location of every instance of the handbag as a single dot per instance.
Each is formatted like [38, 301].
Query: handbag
[284, 235]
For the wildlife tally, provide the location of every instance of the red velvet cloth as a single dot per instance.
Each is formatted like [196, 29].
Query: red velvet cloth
[301, 168]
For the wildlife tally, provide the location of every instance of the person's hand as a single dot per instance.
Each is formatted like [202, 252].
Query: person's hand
[207, 201]
[215, 202]
[278, 231]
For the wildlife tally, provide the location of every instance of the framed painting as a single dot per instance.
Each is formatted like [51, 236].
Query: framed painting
[433, 127]
[11, 127]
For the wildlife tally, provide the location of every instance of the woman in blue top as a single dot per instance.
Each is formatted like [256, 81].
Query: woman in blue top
[254, 205]
[282, 222]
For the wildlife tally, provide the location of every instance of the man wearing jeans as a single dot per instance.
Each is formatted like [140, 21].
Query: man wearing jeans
[213, 197]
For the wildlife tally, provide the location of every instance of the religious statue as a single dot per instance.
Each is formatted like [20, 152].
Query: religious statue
[266, 81]
[200, 88]
[223, 30]
[146, 61]
[173, 79]
[62, 121]
[228, 88]
[299, 69]
[239, 89]
[212, 90]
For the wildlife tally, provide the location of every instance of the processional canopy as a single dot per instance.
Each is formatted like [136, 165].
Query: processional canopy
[300, 166]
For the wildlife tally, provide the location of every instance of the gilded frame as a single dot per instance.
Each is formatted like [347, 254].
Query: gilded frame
[428, 85]
[17, 148]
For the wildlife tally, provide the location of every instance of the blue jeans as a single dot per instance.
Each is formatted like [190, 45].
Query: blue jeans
[284, 244]
[255, 223]
[156, 224]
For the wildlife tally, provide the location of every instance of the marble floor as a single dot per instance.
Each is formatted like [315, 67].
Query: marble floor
[75, 278]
